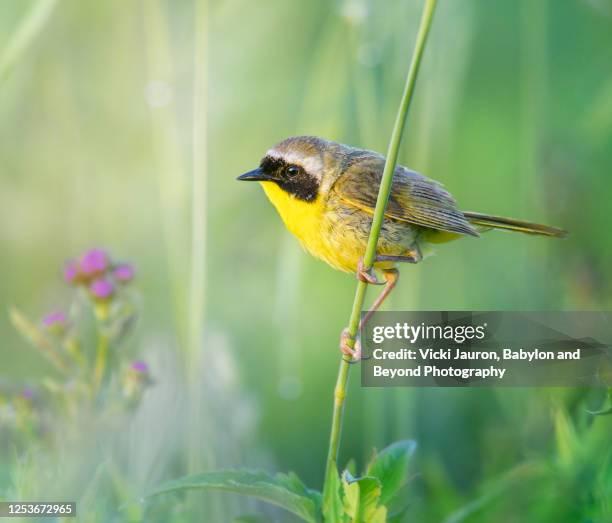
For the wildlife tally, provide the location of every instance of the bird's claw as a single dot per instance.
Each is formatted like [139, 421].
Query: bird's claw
[352, 355]
[367, 275]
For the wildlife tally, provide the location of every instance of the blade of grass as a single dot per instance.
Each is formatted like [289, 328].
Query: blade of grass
[198, 187]
[198, 234]
[199, 405]
[31, 24]
[377, 221]
[168, 161]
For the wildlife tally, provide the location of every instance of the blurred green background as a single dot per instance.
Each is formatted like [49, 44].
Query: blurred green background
[104, 138]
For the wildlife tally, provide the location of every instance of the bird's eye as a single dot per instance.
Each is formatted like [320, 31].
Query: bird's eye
[292, 170]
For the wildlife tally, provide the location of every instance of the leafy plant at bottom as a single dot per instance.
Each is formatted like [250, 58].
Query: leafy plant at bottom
[364, 499]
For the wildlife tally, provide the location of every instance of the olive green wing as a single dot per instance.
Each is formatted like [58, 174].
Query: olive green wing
[414, 198]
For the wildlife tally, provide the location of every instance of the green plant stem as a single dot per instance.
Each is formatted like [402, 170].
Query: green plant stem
[377, 221]
[100, 365]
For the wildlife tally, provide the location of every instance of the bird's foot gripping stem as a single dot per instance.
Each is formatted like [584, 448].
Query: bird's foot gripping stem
[351, 355]
[367, 275]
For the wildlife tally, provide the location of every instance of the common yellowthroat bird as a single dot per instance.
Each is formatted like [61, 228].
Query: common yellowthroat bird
[325, 193]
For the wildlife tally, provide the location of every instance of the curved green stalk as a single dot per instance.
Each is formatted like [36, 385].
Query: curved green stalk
[377, 221]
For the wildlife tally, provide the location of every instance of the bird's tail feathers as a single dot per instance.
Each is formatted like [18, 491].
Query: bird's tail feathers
[510, 224]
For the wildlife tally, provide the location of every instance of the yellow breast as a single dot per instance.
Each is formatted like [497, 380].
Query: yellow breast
[305, 221]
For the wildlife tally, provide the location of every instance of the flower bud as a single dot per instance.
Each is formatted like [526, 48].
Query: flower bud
[94, 262]
[55, 322]
[55, 318]
[124, 273]
[102, 289]
[140, 366]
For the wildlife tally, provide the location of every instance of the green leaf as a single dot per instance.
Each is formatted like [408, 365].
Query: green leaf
[390, 467]
[292, 482]
[361, 499]
[370, 509]
[351, 499]
[603, 411]
[282, 490]
[333, 510]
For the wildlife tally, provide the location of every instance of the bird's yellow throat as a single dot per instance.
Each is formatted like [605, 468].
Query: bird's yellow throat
[305, 221]
[300, 217]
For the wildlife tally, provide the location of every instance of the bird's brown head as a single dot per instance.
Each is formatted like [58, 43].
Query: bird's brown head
[296, 165]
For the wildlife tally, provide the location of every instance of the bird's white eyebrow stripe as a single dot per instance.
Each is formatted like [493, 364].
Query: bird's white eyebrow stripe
[311, 164]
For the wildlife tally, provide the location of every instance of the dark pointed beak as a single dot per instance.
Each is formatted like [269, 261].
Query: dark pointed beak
[256, 175]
